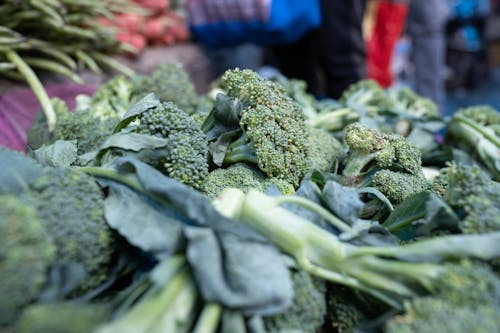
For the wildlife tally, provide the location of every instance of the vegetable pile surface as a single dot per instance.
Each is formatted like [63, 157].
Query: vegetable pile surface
[256, 209]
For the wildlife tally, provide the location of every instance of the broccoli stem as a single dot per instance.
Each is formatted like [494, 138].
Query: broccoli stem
[334, 120]
[480, 130]
[312, 206]
[209, 319]
[357, 162]
[240, 151]
[36, 86]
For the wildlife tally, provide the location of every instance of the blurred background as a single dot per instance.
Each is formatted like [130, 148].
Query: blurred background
[446, 50]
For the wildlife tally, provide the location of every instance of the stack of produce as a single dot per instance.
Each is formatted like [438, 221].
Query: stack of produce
[58, 36]
[262, 210]
[160, 24]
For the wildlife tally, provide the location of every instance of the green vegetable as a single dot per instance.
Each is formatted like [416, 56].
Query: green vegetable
[184, 155]
[170, 83]
[307, 312]
[477, 131]
[471, 193]
[70, 206]
[268, 130]
[380, 271]
[62, 317]
[241, 176]
[26, 252]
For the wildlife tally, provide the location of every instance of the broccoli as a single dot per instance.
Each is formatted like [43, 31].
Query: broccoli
[343, 314]
[170, 83]
[63, 317]
[477, 131]
[307, 312]
[26, 252]
[297, 90]
[406, 101]
[242, 176]
[324, 150]
[397, 186]
[70, 207]
[369, 149]
[184, 157]
[432, 314]
[90, 123]
[164, 300]
[364, 98]
[391, 274]
[273, 131]
[470, 192]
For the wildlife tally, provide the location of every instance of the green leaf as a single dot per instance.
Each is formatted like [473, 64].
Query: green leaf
[147, 102]
[343, 201]
[420, 215]
[143, 222]
[224, 117]
[59, 154]
[17, 171]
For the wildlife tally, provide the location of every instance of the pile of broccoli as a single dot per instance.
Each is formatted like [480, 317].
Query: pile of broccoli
[259, 209]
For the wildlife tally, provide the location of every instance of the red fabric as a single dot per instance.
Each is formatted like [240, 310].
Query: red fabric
[389, 23]
[19, 107]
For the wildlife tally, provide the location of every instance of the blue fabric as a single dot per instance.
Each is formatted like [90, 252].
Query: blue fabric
[289, 20]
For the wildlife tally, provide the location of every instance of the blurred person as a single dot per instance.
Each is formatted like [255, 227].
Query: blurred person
[389, 24]
[426, 28]
[334, 53]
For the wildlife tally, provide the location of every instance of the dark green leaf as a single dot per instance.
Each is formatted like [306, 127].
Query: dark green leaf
[343, 201]
[147, 102]
[224, 117]
[142, 222]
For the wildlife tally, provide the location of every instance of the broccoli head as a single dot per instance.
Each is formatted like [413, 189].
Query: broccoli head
[324, 150]
[343, 313]
[470, 192]
[398, 186]
[170, 83]
[70, 207]
[243, 177]
[369, 149]
[26, 252]
[185, 156]
[63, 317]
[308, 309]
[274, 134]
[432, 314]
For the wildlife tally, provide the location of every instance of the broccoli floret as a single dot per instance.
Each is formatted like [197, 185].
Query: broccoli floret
[243, 177]
[185, 156]
[64, 317]
[274, 134]
[297, 90]
[432, 314]
[170, 83]
[477, 131]
[307, 312]
[397, 186]
[324, 150]
[70, 207]
[26, 252]
[472, 195]
[369, 148]
[343, 314]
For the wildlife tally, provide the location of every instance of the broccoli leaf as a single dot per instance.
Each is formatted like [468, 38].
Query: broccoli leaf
[420, 215]
[142, 222]
[343, 201]
[17, 171]
[147, 102]
[59, 154]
